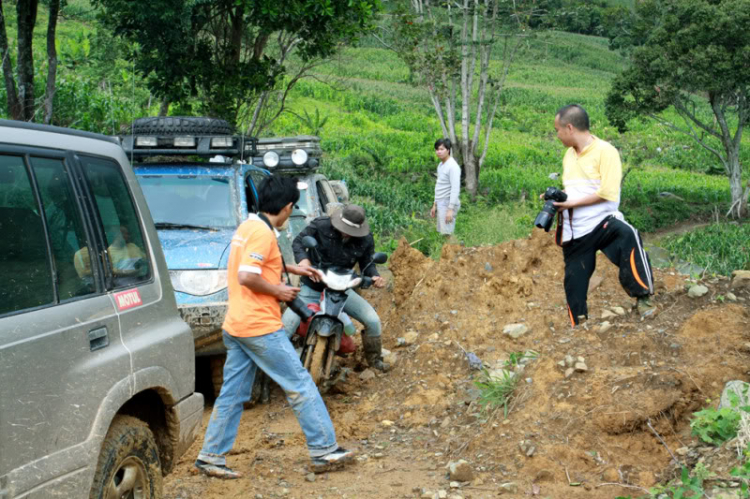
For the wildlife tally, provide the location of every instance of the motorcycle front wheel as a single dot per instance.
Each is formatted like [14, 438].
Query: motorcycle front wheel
[315, 360]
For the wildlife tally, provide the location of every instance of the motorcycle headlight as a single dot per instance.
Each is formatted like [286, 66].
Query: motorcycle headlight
[198, 282]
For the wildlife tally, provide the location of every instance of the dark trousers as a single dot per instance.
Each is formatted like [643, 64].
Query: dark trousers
[622, 244]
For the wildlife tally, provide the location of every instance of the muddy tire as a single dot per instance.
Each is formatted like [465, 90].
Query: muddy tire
[217, 372]
[129, 464]
[178, 125]
[318, 361]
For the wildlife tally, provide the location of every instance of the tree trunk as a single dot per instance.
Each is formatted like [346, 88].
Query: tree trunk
[27, 10]
[164, 107]
[14, 106]
[739, 206]
[472, 174]
[54, 9]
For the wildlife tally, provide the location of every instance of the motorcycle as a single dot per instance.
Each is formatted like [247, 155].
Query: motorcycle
[323, 334]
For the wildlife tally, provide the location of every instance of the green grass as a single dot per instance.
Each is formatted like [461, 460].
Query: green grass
[496, 392]
[719, 248]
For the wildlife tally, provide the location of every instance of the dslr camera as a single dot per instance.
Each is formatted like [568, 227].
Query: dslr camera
[545, 217]
[298, 307]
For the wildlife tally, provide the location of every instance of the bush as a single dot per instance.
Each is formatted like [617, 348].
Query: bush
[719, 248]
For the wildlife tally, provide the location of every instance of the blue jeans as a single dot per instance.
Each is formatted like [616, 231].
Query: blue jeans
[356, 307]
[274, 354]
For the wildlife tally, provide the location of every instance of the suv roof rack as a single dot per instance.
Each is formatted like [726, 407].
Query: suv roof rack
[189, 145]
[208, 137]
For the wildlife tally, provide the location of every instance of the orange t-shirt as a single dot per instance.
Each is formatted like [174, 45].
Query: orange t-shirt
[254, 249]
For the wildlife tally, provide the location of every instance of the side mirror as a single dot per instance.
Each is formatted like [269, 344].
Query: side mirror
[379, 258]
[309, 242]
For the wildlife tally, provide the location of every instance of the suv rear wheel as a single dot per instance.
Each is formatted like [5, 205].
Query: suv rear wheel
[129, 463]
[177, 125]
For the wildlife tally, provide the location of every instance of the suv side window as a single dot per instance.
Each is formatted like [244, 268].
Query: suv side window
[65, 228]
[127, 262]
[25, 271]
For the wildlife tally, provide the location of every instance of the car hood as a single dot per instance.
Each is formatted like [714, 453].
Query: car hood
[196, 249]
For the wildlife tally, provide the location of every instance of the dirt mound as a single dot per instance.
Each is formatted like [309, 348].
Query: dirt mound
[642, 378]
[572, 430]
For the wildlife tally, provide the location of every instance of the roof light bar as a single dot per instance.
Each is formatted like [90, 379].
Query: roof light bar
[184, 141]
[222, 142]
[145, 142]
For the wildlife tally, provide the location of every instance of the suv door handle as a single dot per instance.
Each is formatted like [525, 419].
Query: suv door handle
[98, 338]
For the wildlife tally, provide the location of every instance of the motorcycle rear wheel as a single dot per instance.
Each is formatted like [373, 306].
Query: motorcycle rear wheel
[317, 363]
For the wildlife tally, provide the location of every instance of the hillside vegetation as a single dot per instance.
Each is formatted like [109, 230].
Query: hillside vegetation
[378, 129]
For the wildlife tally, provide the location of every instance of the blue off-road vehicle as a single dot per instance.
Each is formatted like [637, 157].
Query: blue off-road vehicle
[200, 181]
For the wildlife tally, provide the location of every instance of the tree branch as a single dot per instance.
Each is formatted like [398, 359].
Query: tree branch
[438, 108]
[682, 108]
[690, 133]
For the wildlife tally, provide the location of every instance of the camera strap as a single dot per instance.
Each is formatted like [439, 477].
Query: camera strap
[559, 230]
[283, 263]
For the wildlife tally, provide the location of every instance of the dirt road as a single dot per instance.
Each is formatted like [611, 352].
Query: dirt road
[566, 435]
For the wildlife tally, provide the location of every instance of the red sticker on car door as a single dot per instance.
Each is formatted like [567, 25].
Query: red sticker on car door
[128, 299]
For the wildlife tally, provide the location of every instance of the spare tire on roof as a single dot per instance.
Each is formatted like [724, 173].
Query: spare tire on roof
[179, 125]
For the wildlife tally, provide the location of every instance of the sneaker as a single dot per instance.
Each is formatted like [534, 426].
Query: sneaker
[645, 307]
[217, 470]
[332, 460]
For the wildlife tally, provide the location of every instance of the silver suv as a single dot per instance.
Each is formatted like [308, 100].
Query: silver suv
[96, 367]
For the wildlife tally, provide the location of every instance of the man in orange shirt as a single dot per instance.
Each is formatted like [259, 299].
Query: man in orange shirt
[255, 338]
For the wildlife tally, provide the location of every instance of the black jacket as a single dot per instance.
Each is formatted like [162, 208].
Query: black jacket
[333, 250]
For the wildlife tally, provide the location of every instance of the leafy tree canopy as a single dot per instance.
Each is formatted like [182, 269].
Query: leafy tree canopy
[229, 51]
[696, 58]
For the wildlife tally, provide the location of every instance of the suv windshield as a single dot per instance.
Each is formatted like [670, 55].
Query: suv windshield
[190, 200]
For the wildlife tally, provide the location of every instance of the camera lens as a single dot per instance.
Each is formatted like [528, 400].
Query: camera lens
[545, 217]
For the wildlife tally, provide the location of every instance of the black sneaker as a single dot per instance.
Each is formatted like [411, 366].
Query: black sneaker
[217, 470]
[332, 461]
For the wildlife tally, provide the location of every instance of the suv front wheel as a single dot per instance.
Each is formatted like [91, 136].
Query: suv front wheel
[129, 463]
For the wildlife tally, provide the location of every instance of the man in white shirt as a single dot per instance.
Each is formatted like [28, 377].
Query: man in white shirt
[447, 189]
[591, 219]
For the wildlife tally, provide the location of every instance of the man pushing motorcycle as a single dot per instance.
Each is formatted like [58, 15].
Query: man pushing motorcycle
[344, 240]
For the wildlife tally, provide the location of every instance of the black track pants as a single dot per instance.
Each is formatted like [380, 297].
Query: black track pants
[622, 244]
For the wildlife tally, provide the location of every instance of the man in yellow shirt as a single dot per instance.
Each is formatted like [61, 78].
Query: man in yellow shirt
[591, 219]
[255, 338]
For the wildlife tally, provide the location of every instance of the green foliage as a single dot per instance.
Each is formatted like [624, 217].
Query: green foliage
[496, 392]
[696, 47]
[716, 426]
[719, 248]
[314, 123]
[577, 16]
[690, 485]
[224, 52]
[378, 131]
[743, 473]
[692, 62]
